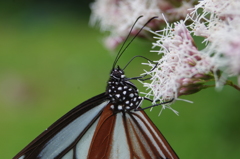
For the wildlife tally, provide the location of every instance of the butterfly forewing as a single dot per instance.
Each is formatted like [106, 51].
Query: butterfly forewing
[67, 131]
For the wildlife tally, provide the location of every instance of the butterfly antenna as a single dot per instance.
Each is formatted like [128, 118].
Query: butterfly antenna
[120, 52]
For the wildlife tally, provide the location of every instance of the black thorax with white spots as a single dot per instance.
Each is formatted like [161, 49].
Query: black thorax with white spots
[123, 94]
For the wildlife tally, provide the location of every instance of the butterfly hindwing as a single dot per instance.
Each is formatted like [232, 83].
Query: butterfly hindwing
[145, 139]
[128, 135]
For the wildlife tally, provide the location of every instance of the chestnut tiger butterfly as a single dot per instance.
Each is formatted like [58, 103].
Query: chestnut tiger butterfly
[111, 125]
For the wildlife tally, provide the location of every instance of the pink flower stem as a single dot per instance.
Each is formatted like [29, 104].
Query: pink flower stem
[230, 83]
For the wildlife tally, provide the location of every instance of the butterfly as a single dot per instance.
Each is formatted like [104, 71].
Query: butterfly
[111, 125]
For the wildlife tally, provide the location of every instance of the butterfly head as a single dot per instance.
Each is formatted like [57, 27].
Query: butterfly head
[117, 74]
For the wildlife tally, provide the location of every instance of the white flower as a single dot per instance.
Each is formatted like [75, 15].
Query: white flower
[117, 17]
[181, 70]
[219, 24]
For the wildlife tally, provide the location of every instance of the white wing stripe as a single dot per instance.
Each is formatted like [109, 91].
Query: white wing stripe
[119, 148]
[150, 136]
[68, 134]
[133, 130]
[68, 155]
[84, 144]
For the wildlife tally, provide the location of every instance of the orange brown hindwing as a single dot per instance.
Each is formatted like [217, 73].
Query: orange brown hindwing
[143, 139]
[101, 142]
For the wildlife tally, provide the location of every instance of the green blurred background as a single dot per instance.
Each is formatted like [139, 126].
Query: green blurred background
[51, 60]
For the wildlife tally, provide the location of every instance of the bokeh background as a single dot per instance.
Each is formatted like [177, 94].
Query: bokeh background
[51, 60]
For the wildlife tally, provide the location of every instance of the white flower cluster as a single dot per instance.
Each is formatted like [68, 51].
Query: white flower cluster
[183, 69]
[181, 66]
[222, 32]
[118, 16]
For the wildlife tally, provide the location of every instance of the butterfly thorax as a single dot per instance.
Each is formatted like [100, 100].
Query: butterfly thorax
[122, 93]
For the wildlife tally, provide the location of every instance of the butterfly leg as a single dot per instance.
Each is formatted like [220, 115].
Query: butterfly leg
[154, 105]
